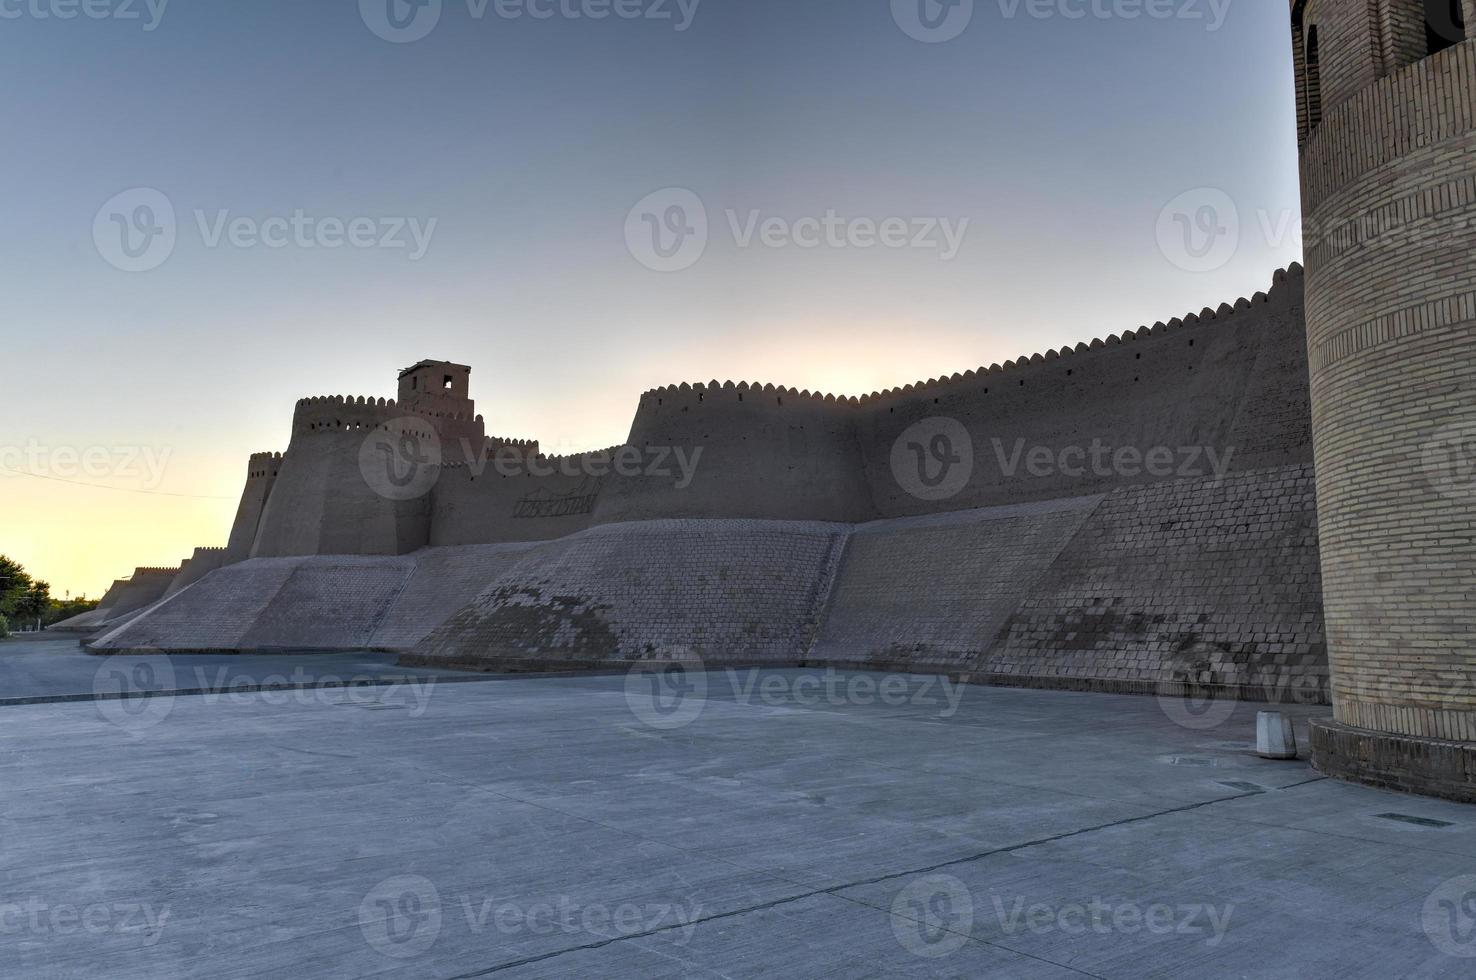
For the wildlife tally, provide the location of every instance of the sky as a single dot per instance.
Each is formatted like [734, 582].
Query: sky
[215, 208]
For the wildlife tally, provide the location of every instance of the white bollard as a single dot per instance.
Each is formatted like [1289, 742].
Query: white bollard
[1275, 737]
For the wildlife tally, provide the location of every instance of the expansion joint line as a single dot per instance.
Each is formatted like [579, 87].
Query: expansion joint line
[834, 890]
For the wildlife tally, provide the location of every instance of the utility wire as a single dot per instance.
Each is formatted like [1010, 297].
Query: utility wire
[103, 486]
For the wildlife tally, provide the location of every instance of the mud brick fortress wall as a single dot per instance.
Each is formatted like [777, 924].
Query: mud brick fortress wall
[1387, 112]
[795, 538]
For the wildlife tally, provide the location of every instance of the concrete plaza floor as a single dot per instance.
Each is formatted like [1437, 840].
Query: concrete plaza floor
[54, 667]
[781, 823]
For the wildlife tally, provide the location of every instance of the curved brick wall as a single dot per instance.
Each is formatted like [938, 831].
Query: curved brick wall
[1389, 189]
[261, 475]
[766, 453]
[320, 502]
[1391, 178]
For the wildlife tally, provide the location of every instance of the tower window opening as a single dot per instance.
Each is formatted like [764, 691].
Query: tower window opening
[1314, 80]
[1445, 24]
[446, 383]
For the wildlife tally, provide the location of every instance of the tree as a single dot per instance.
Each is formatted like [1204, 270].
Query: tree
[15, 585]
[34, 604]
[24, 601]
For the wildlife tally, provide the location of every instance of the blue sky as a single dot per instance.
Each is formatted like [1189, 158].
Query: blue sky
[518, 147]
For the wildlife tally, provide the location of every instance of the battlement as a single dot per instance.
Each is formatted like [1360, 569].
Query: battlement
[692, 393]
[263, 465]
[145, 571]
[321, 408]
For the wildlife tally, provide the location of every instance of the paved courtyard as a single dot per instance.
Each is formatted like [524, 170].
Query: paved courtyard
[780, 823]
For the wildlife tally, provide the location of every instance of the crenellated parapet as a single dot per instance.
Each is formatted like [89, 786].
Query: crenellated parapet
[687, 394]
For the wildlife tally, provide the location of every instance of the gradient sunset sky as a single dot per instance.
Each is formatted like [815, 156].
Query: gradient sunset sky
[528, 141]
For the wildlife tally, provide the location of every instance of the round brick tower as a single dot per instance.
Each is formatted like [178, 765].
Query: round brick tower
[1386, 100]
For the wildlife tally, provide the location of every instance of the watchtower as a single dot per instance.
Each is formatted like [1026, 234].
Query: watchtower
[1386, 100]
[437, 388]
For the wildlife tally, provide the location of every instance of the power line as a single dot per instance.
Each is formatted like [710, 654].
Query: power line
[103, 486]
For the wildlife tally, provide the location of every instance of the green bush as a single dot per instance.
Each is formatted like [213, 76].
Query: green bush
[4, 628]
